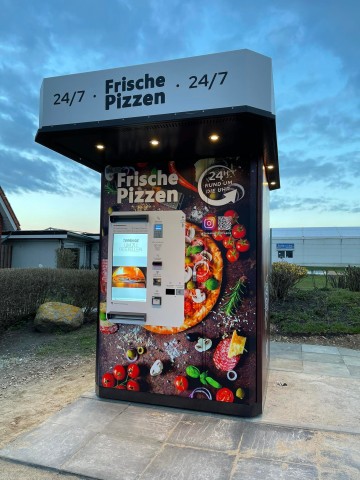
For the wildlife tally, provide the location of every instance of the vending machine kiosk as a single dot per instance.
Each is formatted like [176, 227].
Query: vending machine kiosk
[187, 153]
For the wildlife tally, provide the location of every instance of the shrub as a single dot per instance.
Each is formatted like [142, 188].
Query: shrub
[352, 278]
[283, 277]
[65, 258]
[24, 290]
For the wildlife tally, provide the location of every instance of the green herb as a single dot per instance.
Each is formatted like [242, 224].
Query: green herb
[109, 188]
[203, 378]
[193, 250]
[213, 382]
[235, 297]
[192, 371]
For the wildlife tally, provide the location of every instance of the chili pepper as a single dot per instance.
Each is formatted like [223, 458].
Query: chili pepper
[182, 180]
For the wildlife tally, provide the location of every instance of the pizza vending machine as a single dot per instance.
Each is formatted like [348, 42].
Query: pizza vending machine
[184, 244]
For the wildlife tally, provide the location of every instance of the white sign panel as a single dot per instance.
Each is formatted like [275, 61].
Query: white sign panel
[230, 79]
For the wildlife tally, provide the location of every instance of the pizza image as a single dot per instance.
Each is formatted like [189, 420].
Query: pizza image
[203, 271]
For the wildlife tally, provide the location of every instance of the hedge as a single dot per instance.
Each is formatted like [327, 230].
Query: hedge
[23, 290]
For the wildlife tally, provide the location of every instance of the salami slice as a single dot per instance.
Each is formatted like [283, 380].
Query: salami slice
[221, 359]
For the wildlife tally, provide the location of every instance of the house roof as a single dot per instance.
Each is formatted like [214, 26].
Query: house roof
[316, 232]
[50, 233]
[7, 215]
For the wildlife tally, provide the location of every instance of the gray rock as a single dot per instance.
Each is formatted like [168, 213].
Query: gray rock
[52, 316]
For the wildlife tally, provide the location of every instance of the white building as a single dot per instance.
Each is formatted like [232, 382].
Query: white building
[317, 246]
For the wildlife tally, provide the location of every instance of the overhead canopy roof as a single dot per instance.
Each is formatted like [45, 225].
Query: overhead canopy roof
[180, 103]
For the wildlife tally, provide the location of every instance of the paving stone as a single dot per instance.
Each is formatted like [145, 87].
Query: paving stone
[90, 414]
[143, 421]
[49, 445]
[111, 457]
[349, 352]
[277, 363]
[322, 358]
[271, 442]
[320, 349]
[354, 371]
[287, 354]
[255, 468]
[329, 369]
[352, 360]
[207, 432]
[182, 463]
[284, 347]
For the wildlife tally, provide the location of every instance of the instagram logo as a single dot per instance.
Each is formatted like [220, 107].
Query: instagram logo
[209, 222]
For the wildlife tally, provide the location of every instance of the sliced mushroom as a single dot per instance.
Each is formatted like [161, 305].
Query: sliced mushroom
[203, 344]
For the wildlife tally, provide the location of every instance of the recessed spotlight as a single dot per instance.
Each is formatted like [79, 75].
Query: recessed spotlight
[272, 183]
[100, 146]
[270, 167]
[154, 142]
[214, 137]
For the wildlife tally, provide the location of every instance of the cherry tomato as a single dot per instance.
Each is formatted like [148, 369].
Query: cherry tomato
[108, 380]
[232, 255]
[233, 214]
[218, 236]
[242, 245]
[229, 242]
[181, 383]
[133, 385]
[238, 231]
[119, 372]
[133, 370]
[224, 395]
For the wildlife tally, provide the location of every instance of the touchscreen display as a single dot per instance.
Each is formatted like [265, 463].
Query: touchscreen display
[129, 267]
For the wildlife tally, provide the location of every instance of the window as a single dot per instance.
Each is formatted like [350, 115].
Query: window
[285, 254]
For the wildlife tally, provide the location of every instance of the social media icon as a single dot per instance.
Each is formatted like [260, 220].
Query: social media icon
[209, 222]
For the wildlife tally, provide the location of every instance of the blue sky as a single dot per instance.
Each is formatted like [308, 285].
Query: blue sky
[314, 46]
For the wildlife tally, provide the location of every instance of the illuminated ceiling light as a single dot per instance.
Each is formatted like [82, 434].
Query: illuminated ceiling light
[270, 167]
[100, 146]
[154, 142]
[272, 183]
[214, 137]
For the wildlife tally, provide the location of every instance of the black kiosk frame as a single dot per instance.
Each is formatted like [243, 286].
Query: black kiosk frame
[189, 146]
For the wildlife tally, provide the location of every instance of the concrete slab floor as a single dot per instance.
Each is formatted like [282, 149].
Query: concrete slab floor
[310, 429]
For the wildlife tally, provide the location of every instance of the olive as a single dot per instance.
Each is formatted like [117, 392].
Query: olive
[192, 337]
[131, 354]
[140, 350]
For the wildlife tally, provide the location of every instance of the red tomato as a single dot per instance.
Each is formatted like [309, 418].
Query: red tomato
[188, 307]
[218, 236]
[119, 372]
[242, 245]
[229, 242]
[108, 380]
[133, 370]
[232, 255]
[133, 385]
[202, 274]
[181, 383]
[233, 214]
[238, 231]
[224, 395]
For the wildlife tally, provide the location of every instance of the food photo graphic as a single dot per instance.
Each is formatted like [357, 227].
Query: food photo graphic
[211, 356]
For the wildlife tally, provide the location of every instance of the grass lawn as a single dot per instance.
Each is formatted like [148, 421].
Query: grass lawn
[78, 342]
[317, 311]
